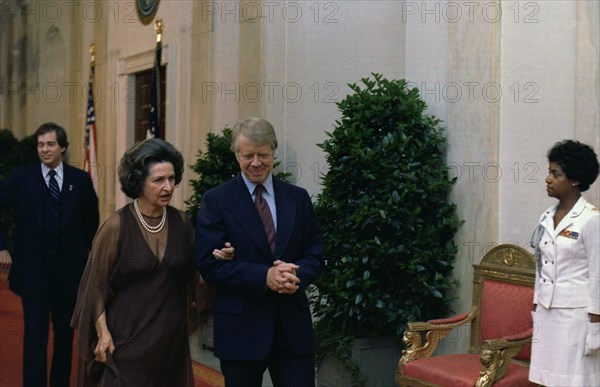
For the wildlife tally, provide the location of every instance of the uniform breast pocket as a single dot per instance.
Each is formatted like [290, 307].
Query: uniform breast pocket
[569, 242]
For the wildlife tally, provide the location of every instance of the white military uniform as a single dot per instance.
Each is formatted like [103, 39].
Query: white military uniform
[567, 288]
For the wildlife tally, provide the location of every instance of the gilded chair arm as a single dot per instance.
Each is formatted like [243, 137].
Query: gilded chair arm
[421, 338]
[496, 355]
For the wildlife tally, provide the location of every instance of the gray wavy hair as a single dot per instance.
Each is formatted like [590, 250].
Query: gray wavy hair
[258, 131]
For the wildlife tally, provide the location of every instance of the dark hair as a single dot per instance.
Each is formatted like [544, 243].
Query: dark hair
[135, 164]
[61, 133]
[577, 160]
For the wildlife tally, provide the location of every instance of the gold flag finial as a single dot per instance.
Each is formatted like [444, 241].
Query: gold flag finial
[93, 54]
[158, 27]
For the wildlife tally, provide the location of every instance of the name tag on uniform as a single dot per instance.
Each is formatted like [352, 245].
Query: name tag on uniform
[569, 234]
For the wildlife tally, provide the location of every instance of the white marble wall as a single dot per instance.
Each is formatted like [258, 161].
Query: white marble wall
[550, 70]
[308, 53]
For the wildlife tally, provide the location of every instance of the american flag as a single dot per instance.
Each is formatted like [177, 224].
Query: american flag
[154, 124]
[90, 161]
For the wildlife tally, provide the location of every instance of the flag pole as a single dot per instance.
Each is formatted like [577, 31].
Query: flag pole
[90, 157]
[92, 59]
[158, 27]
[154, 119]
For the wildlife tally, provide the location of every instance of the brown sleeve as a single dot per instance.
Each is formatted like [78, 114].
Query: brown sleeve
[94, 287]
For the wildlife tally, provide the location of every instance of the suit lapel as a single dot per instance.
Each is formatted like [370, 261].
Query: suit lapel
[68, 194]
[242, 209]
[40, 188]
[286, 209]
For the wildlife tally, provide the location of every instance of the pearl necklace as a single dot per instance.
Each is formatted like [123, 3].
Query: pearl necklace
[151, 229]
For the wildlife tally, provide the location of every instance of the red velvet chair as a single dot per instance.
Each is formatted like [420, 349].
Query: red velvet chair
[501, 330]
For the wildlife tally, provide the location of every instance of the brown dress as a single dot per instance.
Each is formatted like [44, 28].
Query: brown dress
[139, 279]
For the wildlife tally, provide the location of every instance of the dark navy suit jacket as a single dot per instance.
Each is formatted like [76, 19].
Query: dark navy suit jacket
[245, 309]
[26, 191]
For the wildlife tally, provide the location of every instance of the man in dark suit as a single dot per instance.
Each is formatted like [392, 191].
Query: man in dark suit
[56, 217]
[262, 318]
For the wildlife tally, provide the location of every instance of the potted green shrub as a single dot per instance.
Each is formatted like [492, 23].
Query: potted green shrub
[214, 167]
[13, 153]
[387, 224]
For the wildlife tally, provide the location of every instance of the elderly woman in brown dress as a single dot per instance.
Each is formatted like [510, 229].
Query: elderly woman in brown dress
[131, 308]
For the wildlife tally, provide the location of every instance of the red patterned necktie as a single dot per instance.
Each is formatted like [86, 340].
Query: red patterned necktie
[265, 216]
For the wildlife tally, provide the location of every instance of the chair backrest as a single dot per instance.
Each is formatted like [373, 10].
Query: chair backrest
[503, 293]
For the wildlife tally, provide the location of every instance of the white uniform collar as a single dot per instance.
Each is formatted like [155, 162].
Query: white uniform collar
[548, 217]
[575, 211]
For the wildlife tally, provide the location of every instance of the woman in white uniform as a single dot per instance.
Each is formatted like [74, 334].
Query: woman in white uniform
[566, 310]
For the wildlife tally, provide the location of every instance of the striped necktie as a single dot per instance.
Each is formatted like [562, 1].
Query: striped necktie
[53, 185]
[265, 215]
